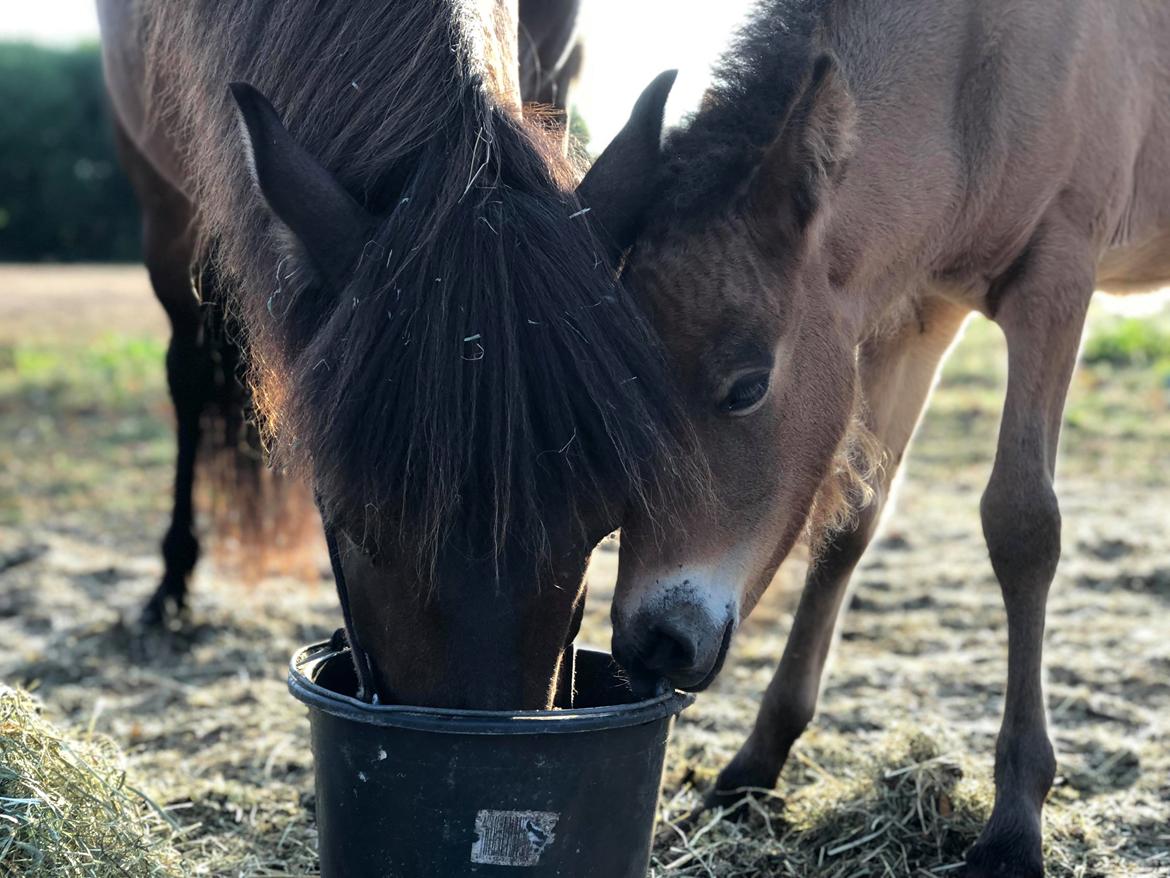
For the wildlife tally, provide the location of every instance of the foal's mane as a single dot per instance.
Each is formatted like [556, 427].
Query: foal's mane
[481, 364]
[753, 86]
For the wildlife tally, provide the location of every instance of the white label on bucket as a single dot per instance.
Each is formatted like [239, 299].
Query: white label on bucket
[512, 838]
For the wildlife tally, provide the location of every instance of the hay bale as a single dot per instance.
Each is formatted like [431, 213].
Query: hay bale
[66, 808]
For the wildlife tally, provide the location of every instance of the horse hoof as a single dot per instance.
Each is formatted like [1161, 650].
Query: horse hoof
[165, 611]
[1005, 858]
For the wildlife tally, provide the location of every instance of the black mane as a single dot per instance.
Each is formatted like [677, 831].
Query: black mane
[753, 86]
[481, 370]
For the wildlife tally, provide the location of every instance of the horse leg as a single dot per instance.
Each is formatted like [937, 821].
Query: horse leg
[168, 252]
[567, 78]
[1042, 312]
[897, 373]
[551, 55]
[186, 370]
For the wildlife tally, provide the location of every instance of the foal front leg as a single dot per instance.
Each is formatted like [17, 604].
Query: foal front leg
[790, 701]
[1042, 315]
[897, 373]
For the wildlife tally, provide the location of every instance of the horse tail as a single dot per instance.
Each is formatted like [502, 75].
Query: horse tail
[263, 523]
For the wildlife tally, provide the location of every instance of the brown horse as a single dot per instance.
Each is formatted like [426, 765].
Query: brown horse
[204, 362]
[861, 177]
[435, 344]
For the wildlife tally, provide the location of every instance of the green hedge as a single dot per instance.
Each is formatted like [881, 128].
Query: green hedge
[62, 195]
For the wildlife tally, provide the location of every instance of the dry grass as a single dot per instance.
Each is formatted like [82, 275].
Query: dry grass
[907, 809]
[909, 806]
[76, 302]
[66, 808]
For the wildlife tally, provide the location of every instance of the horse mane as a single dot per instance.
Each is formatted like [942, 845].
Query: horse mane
[481, 369]
[754, 84]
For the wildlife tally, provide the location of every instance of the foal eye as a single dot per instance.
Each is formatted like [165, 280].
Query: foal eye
[746, 393]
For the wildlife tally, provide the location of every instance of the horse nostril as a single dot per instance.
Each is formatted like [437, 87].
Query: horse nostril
[668, 649]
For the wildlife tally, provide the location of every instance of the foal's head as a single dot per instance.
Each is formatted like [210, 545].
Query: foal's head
[474, 399]
[728, 259]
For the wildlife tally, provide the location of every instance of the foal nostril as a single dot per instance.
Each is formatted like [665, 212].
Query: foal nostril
[667, 648]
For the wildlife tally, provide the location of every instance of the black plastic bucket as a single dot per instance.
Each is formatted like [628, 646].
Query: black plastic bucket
[407, 792]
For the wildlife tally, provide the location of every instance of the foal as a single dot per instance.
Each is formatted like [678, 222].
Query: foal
[861, 177]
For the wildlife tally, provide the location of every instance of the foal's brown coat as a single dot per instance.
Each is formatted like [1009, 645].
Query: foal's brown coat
[829, 224]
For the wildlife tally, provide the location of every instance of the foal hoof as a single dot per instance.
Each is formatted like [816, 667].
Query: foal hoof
[732, 803]
[1005, 858]
[735, 784]
[743, 775]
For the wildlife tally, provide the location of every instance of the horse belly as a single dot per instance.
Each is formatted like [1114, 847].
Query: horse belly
[1140, 267]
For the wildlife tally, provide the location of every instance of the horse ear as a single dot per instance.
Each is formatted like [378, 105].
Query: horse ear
[325, 219]
[618, 188]
[815, 142]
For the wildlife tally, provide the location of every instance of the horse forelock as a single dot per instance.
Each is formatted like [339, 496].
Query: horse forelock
[481, 363]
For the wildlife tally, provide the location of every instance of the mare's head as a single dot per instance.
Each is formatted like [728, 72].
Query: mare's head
[724, 250]
[448, 359]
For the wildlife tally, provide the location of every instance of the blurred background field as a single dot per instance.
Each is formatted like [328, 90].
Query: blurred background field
[891, 780]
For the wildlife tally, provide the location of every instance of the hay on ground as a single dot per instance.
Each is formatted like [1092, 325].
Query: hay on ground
[66, 807]
[909, 807]
[912, 810]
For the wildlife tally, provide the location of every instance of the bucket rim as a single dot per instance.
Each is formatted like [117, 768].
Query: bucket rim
[455, 721]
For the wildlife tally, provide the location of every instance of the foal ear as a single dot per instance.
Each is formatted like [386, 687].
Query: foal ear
[325, 219]
[815, 142]
[618, 188]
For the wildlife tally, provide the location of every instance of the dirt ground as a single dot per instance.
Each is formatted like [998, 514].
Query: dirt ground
[85, 467]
